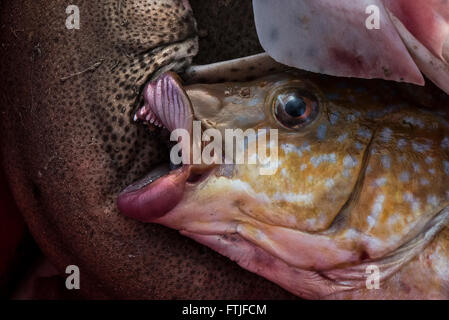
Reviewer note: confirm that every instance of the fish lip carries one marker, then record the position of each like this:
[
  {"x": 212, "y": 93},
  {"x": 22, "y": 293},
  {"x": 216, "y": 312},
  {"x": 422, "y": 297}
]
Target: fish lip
[
  {"x": 148, "y": 199},
  {"x": 151, "y": 177},
  {"x": 159, "y": 192}
]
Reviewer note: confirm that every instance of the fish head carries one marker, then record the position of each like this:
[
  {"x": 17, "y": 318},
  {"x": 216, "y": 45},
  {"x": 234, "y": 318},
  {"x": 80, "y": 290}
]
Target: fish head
[{"x": 333, "y": 177}]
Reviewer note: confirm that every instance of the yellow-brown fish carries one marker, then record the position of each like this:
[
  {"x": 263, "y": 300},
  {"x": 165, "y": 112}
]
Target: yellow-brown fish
[{"x": 361, "y": 186}]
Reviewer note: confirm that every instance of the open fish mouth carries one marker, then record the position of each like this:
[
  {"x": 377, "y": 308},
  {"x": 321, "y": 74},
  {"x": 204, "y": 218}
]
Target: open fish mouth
[
  {"x": 166, "y": 106},
  {"x": 312, "y": 237}
]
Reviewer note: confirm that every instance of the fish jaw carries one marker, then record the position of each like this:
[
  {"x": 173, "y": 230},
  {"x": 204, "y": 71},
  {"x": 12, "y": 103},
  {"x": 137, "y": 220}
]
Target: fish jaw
[{"x": 218, "y": 207}]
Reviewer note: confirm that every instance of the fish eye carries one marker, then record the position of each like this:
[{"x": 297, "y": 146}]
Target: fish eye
[{"x": 294, "y": 108}]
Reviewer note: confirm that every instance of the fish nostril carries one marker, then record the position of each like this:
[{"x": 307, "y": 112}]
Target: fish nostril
[
  {"x": 194, "y": 177},
  {"x": 198, "y": 175},
  {"x": 364, "y": 255}
]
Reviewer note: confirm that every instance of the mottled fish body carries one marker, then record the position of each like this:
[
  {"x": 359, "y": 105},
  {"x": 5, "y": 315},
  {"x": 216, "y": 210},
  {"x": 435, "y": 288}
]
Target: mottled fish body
[{"x": 361, "y": 179}]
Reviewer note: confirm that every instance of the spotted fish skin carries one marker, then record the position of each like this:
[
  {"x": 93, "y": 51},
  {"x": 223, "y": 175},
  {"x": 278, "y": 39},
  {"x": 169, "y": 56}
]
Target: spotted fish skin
[{"x": 365, "y": 183}]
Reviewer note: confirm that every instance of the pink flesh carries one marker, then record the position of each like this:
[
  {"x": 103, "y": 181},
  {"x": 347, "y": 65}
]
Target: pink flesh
[
  {"x": 330, "y": 37},
  {"x": 427, "y": 21}
]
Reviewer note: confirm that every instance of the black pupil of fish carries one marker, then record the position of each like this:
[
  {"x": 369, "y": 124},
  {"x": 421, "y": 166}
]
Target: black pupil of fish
[{"x": 295, "y": 106}]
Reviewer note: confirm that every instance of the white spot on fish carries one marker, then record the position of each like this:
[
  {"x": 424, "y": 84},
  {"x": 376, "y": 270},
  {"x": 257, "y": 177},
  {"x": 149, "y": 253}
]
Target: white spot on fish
[
  {"x": 287, "y": 148},
  {"x": 364, "y": 133},
  {"x": 429, "y": 160},
  {"x": 342, "y": 137},
  {"x": 445, "y": 143},
  {"x": 306, "y": 198},
  {"x": 446, "y": 167},
  {"x": 349, "y": 162},
  {"x": 329, "y": 158},
  {"x": 424, "y": 182},
  {"x": 240, "y": 185},
  {"x": 303, "y": 167},
  {"x": 402, "y": 143},
  {"x": 414, "y": 121},
  {"x": 380, "y": 182},
  {"x": 333, "y": 117},
  {"x": 346, "y": 173},
  {"x": 321, "y": 132},
  {"x": 420, "y": 147},
  {"x": 432, "y": 200},
  {"x": 329, "y": 183},
  {"x": 393, "y": 219},
  {"x": 385, "y": 161},
  {"x": 358, "y": 145},
  {"x": 284, "y": 172},
  {"x": 353, "y": 117},
  {"x": 352, "y": 234},
  {"x": 404, "y": 176},
  {"x": 414, "y": 204},
  {"x": 385, "y": 135},
  {"x": 415, "y": 167},
  {"x": 432, "y": 171},
  {"x": 376, "y": 210}
]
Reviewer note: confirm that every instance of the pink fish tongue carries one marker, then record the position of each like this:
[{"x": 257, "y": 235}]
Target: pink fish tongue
[{"x": 151, "y": 201}]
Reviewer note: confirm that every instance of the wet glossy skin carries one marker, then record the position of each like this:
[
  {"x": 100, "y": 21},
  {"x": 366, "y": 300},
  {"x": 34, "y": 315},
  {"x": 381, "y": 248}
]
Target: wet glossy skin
[{"x": 366, "y": 177}]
